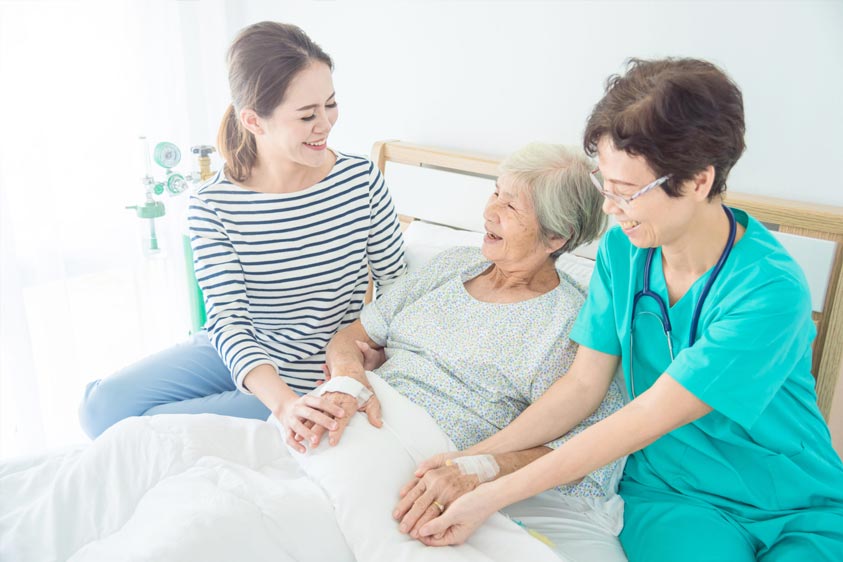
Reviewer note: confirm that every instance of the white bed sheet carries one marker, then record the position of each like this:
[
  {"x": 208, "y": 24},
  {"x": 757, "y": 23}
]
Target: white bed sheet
[{"x": 207, "y": 487}]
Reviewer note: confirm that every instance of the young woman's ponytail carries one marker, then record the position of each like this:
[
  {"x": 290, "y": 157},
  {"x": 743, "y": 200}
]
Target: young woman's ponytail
[{"x": 237, "y": 146}]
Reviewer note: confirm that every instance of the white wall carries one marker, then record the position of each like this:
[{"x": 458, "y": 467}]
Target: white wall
[{"x": 488, "y": 76}]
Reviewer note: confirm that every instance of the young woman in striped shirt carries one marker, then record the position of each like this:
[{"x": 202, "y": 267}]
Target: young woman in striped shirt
[{"x": 283, "y": 238}]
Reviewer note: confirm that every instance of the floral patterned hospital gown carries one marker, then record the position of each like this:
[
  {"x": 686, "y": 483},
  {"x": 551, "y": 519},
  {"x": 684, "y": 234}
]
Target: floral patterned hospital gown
[{"x": 475, "y": 366}]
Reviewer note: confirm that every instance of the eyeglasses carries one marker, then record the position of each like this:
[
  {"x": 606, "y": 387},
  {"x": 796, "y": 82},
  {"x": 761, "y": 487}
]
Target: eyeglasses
[{"x": 622, "y": 201}]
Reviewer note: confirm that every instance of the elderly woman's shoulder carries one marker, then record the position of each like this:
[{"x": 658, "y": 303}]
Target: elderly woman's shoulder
[
  {"x": 455, "y": 259},
  {"x": 458, "y": 257}
]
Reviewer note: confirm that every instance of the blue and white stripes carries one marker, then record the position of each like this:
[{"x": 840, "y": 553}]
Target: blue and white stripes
[{"x": 281, "y": 273}]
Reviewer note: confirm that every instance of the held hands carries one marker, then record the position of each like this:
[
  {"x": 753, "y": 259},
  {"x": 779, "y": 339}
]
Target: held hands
[
  {"x": 436, "y": 487},
  {"x": 460, "y": 519},
  {"x": 372, "y": 409},
  {"x": 302, "y": 416},
  {"x": 348, "y": 405},
  {"x": 372, "y": 359}
]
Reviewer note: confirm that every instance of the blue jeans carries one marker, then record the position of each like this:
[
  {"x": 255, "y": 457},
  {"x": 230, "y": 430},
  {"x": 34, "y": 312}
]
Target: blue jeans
[{"x": 189, "y": 378}]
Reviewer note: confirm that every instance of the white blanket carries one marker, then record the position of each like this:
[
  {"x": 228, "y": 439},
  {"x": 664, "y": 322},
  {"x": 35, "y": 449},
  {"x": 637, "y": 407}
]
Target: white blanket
[
  {"x": 168, "y": 488},
  {"x": 205, "y": 487}
]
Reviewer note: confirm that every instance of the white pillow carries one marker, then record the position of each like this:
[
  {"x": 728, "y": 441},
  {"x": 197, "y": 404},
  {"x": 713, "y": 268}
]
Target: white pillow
[
  {"x": 423, "y": 241},
  {"x": 363, "y": 474},
  {"x": 577, "y": 267}
]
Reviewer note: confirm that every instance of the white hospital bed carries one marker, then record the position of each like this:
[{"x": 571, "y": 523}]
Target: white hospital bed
[
  {"x": 214, "y": 488},
  {"x": 429, "y": 180}
]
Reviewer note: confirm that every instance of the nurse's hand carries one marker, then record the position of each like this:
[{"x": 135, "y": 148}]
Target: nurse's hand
[
  {"x": 460, "y": 519},
  {"x": 423, "y": 499}
]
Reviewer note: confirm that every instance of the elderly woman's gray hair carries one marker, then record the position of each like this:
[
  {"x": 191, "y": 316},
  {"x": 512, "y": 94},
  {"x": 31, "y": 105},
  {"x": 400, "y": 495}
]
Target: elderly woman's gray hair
[{"x": 556, "y": 179}]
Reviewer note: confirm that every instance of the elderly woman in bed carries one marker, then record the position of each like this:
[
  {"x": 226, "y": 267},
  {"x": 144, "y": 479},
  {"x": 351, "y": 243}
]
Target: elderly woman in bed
[{"x": 480, "y": 334}]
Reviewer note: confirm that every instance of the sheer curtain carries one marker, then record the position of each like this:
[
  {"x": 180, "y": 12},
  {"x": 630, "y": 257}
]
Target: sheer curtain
[{"x": 80, "y": 293}]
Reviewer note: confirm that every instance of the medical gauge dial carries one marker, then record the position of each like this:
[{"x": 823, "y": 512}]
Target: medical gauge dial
[{"x": 167, "y": 155}]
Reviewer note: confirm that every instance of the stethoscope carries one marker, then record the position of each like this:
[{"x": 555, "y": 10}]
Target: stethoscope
[{"x": 664, "y": 318}]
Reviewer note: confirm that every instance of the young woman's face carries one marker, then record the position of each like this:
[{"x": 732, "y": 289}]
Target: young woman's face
[
  {"x": 298, "y": 129},
  {"x": 653, "y": 219}
]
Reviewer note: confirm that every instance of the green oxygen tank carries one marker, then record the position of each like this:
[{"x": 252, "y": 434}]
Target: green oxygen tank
[
  {"x": 167, "y": 155},
  {"x": 196, "y": 300},
  {"x": 198, "y": 314}
]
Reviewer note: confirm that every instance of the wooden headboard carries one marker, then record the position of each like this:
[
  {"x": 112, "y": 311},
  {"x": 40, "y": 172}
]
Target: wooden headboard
[{"x": 803, "y": 219}]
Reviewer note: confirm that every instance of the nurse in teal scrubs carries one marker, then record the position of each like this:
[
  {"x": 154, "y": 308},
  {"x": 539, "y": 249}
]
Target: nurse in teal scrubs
[{"x": 730, "y": 459}]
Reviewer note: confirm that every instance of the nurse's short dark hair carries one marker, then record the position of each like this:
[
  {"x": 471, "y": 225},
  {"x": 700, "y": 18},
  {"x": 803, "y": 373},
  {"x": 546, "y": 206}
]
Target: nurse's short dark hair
[{"x": 680, "y": 114}]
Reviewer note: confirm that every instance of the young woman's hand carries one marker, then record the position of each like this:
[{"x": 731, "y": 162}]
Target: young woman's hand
[
  {"x": 304, "y": 415},
  {"x": 373, "y": 357}
]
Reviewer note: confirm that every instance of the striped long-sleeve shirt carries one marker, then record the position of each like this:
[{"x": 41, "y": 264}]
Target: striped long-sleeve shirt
[{"x": 281, "y": 273}]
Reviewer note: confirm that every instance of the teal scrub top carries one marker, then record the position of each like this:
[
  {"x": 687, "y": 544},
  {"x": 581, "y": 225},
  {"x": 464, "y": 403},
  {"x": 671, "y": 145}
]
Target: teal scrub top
[{"x": 764, "y": 447}]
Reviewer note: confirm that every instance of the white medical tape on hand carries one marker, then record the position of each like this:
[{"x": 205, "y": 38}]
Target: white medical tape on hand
[
  {"x": 485, "y": 467},
  {"x": 346, "y": 385}
]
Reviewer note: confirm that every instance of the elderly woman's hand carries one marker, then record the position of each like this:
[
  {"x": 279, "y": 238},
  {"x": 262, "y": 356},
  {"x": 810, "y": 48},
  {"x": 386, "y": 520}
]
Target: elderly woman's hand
[
  {"x": 425, "y": 498},
  {"x": 461, "y": 519},
  {"x": 372, "y": 409},
  {"x": 372, "y": 359},
  {"x": 435, "y": 462},
  {"x": 349, "y": 404}
]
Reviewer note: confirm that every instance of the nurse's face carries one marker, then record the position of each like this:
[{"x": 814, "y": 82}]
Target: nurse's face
[{"x": 652, "y": 220}]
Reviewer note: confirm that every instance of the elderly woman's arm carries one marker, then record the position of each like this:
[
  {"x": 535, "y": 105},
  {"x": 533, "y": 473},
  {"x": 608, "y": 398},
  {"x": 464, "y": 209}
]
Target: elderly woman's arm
[
  {"x": 567, "y": 402},
  {"x": 577, "y": 394},
  {"x": 451, "y": 479},
  {"x": 345, "y": 357},
  {"x": 662, "y": 408}
]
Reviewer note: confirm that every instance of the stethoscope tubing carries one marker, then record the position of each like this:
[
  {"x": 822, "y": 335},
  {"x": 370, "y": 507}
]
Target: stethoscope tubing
[{"x": 663, "y": 310}]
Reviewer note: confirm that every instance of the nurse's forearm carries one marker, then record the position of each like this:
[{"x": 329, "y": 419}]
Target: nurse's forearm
[
  {"x": 538, "y": 424},
  {"x": 661, "y": 409}
]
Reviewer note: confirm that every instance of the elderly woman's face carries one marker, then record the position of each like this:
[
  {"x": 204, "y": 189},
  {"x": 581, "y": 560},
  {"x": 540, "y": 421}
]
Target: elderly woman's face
[{"x": 512, "y": 228}]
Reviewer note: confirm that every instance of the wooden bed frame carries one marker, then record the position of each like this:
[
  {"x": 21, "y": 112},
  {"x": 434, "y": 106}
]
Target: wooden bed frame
[{"x": 804, "y": 219}]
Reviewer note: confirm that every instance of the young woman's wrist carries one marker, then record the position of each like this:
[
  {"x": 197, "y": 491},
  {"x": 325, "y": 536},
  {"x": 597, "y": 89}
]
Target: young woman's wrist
[
  {"x": 285, "y": 398},
  {"x": 265, "y": 383}
]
